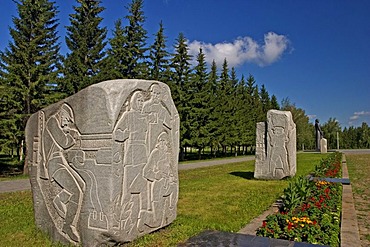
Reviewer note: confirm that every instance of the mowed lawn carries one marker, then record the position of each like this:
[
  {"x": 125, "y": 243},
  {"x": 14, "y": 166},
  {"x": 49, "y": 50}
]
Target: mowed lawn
[
  {"x": 224, "y": 197},
  {"x": 359, "y": 170}
]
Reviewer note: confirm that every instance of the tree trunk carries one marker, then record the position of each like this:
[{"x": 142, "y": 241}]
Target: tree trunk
[{"x": 199, "y": 153}]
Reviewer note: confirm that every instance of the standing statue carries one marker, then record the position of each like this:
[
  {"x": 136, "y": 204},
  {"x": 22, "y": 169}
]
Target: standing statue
[{"x": 319, "y": 135}]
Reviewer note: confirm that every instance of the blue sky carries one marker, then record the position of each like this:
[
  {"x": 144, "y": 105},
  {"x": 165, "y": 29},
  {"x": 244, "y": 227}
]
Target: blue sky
[{"x": 316, "y": 53}]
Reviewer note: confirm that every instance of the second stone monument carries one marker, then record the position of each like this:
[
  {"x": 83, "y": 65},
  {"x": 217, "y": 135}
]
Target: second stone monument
[{"x": 276, "y": 146}]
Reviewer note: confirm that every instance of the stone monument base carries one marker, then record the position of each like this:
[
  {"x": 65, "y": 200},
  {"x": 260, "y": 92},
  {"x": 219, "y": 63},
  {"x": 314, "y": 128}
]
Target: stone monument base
[{"x": 323, "y": 146}]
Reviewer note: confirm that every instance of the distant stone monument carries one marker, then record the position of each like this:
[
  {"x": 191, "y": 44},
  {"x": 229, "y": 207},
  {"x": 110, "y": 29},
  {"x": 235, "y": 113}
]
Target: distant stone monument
[
  {"x": 104, "y": 163},
  {"x": 276, "y": 146}
]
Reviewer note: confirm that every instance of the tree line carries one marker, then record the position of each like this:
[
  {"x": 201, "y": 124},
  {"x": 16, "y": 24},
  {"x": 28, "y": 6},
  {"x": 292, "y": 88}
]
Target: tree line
[{"x": 218, "y": 110}]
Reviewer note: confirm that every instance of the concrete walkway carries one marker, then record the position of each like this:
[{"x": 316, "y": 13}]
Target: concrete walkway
[
  {"x": 24, "y": 184},
  {"x": 15, "y": 185},
  {"x": 200, "y": 164}
]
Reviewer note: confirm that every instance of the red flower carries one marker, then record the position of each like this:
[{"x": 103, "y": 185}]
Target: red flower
[
  {"x": 264, "y": 223},
  {"x": 290, "y": 226}
]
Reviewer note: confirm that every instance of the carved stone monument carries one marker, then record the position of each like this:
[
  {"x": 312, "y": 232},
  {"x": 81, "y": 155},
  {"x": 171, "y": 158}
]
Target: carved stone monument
[
  {"x": 104, "y": 163},
  {"x": 276, "y": 146}
]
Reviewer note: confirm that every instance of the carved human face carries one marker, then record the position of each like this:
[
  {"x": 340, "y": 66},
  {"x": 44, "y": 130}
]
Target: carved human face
[
  {"x": 278, "y": 130},
  {"x": 155, "y": 93},
  {"x": 163, "y": 142},
  {"x": 64, "y": 119},
  {"x": 137, "y": 101}
]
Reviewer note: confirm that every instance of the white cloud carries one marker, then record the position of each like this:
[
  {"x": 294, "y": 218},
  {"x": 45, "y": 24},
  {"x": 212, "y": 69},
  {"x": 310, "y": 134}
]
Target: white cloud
[
  {"x": 242, "y": 50},
  {"x": 358, "y": 115},
  {"x": 312, "y": 116}
]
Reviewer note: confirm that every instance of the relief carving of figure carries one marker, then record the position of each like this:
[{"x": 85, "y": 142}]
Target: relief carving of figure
[
  {"x": 160, "y": 118},
  {"x": 131, "y": 130},
  {"x": 159, "y": 171},
  {"x": 59, "y": 136},
  {"x": 278, "y": 137}
]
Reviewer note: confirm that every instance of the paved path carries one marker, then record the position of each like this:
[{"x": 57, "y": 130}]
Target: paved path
[
  {"x": 201, "y": 164},
  {"x": 24, "y": 184},
  {"x": 355, "y": 151},
  {"x": 15, "y": 185}
]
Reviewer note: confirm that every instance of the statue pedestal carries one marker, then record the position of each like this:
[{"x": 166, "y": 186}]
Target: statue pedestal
[{"x": 323, "y": 146}]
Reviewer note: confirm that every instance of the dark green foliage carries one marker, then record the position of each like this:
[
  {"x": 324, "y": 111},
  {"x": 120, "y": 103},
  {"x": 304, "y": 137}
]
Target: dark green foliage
[
  {"x": 355, "y": 137},
  {"x": 159, "y": 57},
  {"x": 265, "y": 99},
  {"x": 86, "y": 42},
  {"x": 115, "y": 63},
  {"x": 179, "y": 84},
  {"x": 135, "y": 42},
  {"x": 304, "y": 129},
  {"x": 199, "y": 105},
  {"x": 126, "y": 56},
  {"x": 274, "y": 103},
  {"x": 28, "y": 68},
  {"x": 330, "y": 130}
]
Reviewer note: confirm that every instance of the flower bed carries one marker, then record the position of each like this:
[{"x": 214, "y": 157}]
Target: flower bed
[{"x": 311, "y": 209}]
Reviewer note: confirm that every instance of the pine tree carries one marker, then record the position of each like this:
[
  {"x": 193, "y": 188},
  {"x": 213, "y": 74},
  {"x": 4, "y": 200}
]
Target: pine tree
[
  {"x": 240, "y": 116},
  {"x": 28, "y": 67},
  {"x": 180, "y": 64},
  {"x": 265, "y": 99},
  {"x": 199, "y": 108},
  {"x": 86, "y": 42},
  {"x": 115, "y": 66},
  {"x": 212, "y": 86},
  {"x": 274, "y": 103},
  {"x": 255, "y": 110},
  {"x": 158, "y": 56},
  {"x": 135, "y": 41},
  {"x": 224, "y": 109}
]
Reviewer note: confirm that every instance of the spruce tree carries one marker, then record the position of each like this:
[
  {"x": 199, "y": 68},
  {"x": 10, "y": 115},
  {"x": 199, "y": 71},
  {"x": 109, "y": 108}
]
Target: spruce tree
[
  {"x": 265, "y": 99},
  {"x": 224, "y": 108},
  {"x": 115, "y": 66},
  {"x": 274, "y": 103},
  {"x": 158, "y": 56},
  {"x": 28, "y": 67},
  {"x": 199, "y": 107},
  {"x": 255, "y": 113},
  {"x": 212, "y": 124},
  {"x": 86, "y": 42},
  {"x": 180, "y": 64},
  {"x": 234, "y": 120},
  {"x": 135, "y": 41}
]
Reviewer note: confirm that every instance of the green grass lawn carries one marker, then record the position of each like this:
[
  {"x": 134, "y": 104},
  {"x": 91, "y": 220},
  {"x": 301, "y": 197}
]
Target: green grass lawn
[
  {"x": 224, "y": 197},
  {"x": 359, "y": 169}
]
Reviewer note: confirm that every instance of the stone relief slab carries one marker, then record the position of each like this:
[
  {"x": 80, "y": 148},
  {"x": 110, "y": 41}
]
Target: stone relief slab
[
  {"x": 104, "y": 163},
  {"x": 276, "y": 146}
]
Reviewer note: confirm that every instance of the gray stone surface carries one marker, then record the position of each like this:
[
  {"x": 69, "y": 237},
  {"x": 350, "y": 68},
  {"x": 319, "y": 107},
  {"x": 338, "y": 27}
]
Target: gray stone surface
[
  {"x": 323, "y": 146},
  {"x": 211, "y": 238},
  {"x": 103, "y": 163},
  {"x": 276, "y": 146}
]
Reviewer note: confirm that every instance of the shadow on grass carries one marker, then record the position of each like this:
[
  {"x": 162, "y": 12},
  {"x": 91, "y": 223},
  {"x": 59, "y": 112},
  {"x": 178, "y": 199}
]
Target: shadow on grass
[{"x": 245, "y": 175}]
